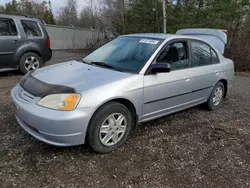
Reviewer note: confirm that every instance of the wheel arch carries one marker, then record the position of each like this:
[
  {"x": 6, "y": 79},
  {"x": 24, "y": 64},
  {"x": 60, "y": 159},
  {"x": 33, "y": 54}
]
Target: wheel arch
[
  {"x": 127, "y": 103},
  {"x": 31, "y": 47},
  {"x": 225, "y": 83}
]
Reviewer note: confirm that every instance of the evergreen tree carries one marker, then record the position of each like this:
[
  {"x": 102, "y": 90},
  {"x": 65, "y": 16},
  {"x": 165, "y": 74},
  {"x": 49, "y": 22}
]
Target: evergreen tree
[{"x": 51, "y": 19}]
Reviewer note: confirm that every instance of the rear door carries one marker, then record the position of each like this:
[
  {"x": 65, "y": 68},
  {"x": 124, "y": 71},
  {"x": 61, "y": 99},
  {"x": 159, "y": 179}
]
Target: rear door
[
  {"x": 203, "y": 65},
  {"x": 10, "y": 41},
  {"x": 34, "y": 33}
]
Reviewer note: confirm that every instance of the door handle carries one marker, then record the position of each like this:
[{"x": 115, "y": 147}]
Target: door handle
[
  {"x": 16, "y": 42},
  {"x": 187, "y": 79},
  {"x": 216, "y": 72}
]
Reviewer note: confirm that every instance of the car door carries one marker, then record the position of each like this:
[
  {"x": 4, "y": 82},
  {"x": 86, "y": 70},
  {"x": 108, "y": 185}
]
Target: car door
[
  {"x": 9, "y": 41},
  {"x": 165, "y": 93},
  {"x": 203, "y": 66}
]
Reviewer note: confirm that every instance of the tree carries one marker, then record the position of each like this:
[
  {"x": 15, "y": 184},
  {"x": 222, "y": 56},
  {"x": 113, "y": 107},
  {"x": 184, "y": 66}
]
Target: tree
[
  {"x": 68, "y": 14},
  {"x": 2, "y": 8},
  {"x": 48, "y": 15},
  {"x": 51, "y": 18},
  {"x": 35, "y": 8}
]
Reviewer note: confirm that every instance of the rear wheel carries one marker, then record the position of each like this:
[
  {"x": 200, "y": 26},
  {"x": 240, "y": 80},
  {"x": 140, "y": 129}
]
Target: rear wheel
[
  {"x": 109, "y": 127},
  {"x": 216, "y": 96},
  {"x": 30, "y": 61}
]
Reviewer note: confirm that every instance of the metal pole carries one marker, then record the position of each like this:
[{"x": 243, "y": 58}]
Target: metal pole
[
  {"x": 123, "y": 15},
  {"x": 164, "y": 16},
  {"x": 157, "y": 17}
]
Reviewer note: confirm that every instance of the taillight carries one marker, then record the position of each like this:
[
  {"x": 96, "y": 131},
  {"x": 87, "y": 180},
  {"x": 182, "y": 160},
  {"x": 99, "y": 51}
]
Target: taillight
[
  {"x": 48, "y": 43},
  {"x": 224, "y": 31}
]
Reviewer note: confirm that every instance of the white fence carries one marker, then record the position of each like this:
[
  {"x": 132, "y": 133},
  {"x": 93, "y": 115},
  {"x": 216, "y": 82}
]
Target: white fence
[{"x": 63, "y": 38}]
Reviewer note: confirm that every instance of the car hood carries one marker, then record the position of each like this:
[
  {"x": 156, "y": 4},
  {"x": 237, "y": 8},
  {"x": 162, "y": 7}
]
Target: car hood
[{"x": 79, "y": 76}]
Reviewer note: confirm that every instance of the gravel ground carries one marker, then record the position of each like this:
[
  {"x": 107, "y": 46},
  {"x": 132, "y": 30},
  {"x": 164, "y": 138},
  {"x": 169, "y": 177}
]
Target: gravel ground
[{"x": 193, "y": 148}]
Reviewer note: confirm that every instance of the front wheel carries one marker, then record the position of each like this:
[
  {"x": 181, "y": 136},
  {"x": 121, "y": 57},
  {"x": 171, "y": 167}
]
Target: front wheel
[
  {"x": 216, "y": 96},
  {"x": 109, "y": 128}
]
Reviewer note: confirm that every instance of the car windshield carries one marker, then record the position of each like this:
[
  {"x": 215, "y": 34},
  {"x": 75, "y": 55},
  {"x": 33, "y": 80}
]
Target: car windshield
[{"x": 128, "y": 54}]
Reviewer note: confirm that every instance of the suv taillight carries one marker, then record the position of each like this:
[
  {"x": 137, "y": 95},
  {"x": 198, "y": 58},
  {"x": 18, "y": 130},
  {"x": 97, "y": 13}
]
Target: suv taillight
[{"x": 48, "y": 43}]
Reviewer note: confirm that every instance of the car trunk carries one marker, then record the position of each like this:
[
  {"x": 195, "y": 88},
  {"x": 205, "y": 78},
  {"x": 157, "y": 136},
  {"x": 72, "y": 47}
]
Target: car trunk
[{"x": 215, "y": 37}]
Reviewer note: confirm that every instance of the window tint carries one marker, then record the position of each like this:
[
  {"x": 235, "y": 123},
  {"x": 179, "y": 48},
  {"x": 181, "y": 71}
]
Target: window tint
[
  {"x": 7, "y": 27},
  {"x": 176, "y": 55},
  {"x": 201, "y": 54},
  {"x": 215, "y": 58},
  {"x": 31, "y": 28}
]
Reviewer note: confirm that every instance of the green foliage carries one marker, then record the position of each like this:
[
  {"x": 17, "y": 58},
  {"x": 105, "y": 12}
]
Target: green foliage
[
  {"x": 48, "y": 16},
  {"x": 146, "y": 16},
  {"x": 33, "y": 8},
  {"x": 140, "y": 17}
]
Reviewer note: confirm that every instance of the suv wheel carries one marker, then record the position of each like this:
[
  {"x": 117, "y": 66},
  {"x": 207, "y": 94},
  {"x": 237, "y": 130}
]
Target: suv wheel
[
  {"x": 109, "y": 127},
  {"x": 216, "y": 96},
  {"x": 30, "y": 61}
]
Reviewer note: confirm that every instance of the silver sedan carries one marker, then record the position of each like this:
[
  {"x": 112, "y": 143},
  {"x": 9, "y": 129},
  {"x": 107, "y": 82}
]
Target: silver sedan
[{"x": 132, "y": 79}]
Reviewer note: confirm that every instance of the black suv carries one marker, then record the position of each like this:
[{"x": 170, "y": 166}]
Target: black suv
[{"x": 24, "y": 43}]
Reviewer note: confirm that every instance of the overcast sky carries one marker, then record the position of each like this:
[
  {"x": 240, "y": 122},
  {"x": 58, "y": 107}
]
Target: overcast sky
[{"x": 56, "y": 4}]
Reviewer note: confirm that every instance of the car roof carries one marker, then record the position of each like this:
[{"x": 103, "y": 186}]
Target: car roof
[
  {"x": 18, "y": 17},
  {"x": 163, "y": 36},
  {"x": 150, "y": 35},
  {"x": 160, "y": 36}
]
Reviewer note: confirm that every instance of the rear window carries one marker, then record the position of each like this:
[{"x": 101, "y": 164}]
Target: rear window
[
  {"x": 7, "y": 27},
  {"x": 215, "y": 57},
  {"x": 31, "y": 28}
]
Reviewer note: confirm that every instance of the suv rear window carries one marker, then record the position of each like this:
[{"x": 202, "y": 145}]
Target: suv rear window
[
  {"x": 7, "y": 27},
  {"x": 31, "y": 28}
]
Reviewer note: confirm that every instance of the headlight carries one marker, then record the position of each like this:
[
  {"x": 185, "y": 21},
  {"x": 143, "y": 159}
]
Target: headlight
[{"x": 64, "y": 102}]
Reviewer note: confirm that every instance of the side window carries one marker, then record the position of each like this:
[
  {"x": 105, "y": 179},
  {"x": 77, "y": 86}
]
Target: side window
[
  {"x": 176, "y": 54},
  {"x": 7, "y": 27},
  {"x": 31, "y": 28},
  {"x": 201, "y": 54},
  {"x": 215, "y": 58}
]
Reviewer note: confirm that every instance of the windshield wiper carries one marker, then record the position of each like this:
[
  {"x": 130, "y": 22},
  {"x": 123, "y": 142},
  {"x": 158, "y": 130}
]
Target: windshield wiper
[
  {"x": 81, "y": 60},
  {"x": 106, "y": 65}
]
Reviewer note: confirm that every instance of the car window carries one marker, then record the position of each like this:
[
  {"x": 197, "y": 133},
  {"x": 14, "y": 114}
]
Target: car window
[
  {"x": 215, "y": 57},
  {"x": 31, "y": 28},
  {"x": 176, "y": 54},
  {"x": 7, "y": 27},
  {"x": 201, "y": 54},
  {"x": 126, "y": 53}
]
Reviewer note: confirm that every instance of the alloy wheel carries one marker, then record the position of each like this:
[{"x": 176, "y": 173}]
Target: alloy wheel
[{"x": 31, "y": 63}]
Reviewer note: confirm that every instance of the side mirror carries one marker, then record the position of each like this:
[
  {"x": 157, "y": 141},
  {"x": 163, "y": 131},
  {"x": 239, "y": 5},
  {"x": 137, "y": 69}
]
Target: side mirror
[{"x": 159, "y": 68}]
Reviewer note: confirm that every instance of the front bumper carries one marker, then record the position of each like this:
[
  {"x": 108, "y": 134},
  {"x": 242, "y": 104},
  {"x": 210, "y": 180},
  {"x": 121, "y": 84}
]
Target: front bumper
[{"x": 60, "y": 128}]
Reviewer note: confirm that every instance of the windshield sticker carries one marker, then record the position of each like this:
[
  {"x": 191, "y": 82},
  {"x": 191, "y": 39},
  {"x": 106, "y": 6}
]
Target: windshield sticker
[{"x": 148, "y": 41}]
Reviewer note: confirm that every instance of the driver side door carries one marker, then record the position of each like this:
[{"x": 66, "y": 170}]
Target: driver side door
[{"x": 165, "y": 93}]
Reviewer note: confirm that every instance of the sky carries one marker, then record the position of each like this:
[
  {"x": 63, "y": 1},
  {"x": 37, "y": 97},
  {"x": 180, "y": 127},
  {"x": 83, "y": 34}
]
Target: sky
[{"x": 56, "y": 4}]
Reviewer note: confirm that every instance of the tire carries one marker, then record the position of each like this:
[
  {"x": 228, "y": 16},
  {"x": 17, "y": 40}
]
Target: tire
[
  {"x": 31, "y": 59},
  {"x": 103, "y": 119},
  {"x": 211, "y": 104}
]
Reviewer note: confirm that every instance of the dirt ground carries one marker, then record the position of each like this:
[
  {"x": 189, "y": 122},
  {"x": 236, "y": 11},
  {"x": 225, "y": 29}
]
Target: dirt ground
[{"x": 193, "y": 148}]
